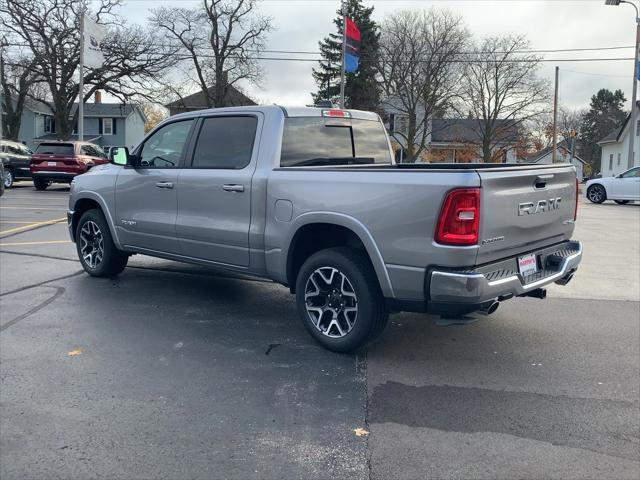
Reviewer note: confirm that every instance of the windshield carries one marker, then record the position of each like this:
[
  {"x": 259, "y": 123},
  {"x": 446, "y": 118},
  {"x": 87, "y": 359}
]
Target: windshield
[
  {"x": 55, "y": 148},
  {"x": 306, "y": 139}
]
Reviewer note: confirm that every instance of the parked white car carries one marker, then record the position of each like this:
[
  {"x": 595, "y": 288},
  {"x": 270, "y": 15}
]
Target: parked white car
[{"x": 622, "y": 188}]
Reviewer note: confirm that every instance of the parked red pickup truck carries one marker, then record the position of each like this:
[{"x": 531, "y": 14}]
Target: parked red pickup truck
[{"x": 60, "y": 162}]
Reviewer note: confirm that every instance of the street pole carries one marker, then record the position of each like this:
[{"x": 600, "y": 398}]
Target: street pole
[
  {"x": 344, "y": 50},
  {"x": 634, "y": 96},
  {"x": 81, "y": 79},
  {"x": 2, "y": 97},
  {"x": 555, "y": 120}
]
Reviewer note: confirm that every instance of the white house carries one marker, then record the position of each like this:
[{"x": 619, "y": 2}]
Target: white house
[
  {"x": 563, "y": 155},
  {"x": 615, "y": 148}
]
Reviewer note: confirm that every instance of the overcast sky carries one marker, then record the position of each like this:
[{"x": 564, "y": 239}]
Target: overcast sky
[{"x": 554, "y": 24}]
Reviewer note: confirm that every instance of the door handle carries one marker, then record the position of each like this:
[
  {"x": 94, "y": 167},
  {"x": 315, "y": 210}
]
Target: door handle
[
  {"x": 164, "y": 184},
  {"x": 233, "y": 187}
]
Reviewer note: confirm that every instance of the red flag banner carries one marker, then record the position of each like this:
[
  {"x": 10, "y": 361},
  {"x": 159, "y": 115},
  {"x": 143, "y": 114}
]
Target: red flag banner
[{"x": 352, "y": 50}]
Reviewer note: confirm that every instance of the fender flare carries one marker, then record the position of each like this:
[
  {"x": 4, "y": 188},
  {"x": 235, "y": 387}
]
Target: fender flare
[
  {"x": 99, "y": 199},
  {"x": 357, "y": 228}
]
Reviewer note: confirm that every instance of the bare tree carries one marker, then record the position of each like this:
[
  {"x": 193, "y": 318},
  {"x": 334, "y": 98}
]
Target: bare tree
[
  {"x": 502, "y": 90},
  {"x": 220, "y": 40},
  {"x": 540, "y": 127},
  {"x": 50, "y": 31},
  {"x": 18, "y": 81},
  {"x": 417, "y": 71}
]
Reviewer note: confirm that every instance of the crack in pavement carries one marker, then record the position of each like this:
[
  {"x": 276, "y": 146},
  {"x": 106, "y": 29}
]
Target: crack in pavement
[
  {"x": 40, "y": 306},
  {"x": 603, "y": 426}
]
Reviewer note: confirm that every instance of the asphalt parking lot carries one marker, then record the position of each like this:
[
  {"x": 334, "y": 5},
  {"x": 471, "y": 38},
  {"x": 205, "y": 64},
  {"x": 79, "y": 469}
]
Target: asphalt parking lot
[{"x": 172, "y": 371}]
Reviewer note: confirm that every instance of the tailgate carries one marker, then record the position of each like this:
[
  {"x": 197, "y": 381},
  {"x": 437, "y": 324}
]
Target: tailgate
[
  {"x": 524, "y": 209},
  {"x": 54, "y": 163}
]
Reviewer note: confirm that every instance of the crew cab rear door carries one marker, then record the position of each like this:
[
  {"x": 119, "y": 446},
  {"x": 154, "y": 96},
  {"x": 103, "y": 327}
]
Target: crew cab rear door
[
  {"x": 524, "y": 208},
  {"x": 214, "y": 190}
]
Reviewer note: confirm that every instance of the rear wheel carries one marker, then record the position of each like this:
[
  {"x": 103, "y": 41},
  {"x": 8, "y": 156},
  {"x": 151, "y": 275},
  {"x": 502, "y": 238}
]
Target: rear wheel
[
  {"x": 97, "y": 253},
  {"x": 7, "y": 179},
  {"x": 597, "y": 193},
  {"x": 40, "y": 184},
  {"x": 339, "y": 300},
  {"x": 621, "y": 202}
]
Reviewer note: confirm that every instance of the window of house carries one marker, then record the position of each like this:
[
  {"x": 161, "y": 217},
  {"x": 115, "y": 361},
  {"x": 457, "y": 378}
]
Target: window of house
[
  {"x": 107, "y": 126},
  {"x": 225, "y": 142},
  {"x": 49, "y": 124},
  {"x": 611, "y": 162},
  {"x": 638, "y": 128},
  {"x": 402, "y": 123}
]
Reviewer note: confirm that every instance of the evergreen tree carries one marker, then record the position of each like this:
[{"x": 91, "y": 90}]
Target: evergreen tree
[
  {"x": 605, "y": 114},
  {"x": 361, "y": 89}
]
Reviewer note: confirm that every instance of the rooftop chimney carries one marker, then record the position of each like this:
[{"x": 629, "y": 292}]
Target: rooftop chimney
[{"x": 98, "y": 97}]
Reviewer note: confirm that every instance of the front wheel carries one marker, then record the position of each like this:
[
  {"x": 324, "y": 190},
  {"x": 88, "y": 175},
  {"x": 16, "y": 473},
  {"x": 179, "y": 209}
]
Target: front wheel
[
  {"x": 597, "y": 193},
  {"x": 97, "y": 253},
  {"x": 339, "y": 299},
  {"x": 621, "y": 202}
]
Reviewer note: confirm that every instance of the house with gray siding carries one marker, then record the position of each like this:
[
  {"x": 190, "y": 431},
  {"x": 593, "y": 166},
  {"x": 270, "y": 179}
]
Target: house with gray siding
[
  {"x": 105, "y": 124},
  {"x": 563, "y": 155}
]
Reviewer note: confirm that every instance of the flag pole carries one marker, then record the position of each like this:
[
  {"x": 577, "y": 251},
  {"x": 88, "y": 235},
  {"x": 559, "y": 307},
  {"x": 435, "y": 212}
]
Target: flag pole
[
  {"x": 81, "y": 79},
  {"x": 344, "y": 49}
]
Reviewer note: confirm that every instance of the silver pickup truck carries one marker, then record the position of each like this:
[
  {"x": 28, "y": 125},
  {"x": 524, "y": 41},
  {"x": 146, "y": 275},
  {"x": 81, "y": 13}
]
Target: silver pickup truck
[{"x": 312, "y": 199}]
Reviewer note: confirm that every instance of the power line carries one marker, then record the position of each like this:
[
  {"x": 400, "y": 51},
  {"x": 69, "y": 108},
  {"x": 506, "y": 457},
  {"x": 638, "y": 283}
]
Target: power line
[
  {"x": 317, "y": 52},
  {"x": 595, "y": 74}
]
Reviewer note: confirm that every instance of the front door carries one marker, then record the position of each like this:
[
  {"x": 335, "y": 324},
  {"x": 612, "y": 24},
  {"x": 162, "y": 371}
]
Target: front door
[
  {"x": 146, "y": 198},
  {"x": 627, "y": 187},
  {"x": 214, "y": 191}
]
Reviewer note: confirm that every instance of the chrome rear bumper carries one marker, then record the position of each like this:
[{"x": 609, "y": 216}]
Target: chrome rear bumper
[{"x": 501, "y": 280}]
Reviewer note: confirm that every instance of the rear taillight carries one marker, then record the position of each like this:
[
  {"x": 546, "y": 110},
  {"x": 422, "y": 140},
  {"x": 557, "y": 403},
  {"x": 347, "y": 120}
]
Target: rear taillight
[
  {"x": 459, "y": 218},
  {"x": 575, "y": 208}
]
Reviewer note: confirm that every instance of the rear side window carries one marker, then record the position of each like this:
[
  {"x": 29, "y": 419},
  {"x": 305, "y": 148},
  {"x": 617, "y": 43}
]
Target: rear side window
[
  {"x": 55, "y": 148},
  {"x": 307, "y": 138},
  {"x": 225, "y": 142}
]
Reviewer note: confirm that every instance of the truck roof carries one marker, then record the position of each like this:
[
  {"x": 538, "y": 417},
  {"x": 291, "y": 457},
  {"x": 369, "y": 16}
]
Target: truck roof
[{"x": 288, "y": 111}]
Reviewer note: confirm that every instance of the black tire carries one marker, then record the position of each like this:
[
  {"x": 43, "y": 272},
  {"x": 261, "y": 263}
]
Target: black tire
[
  {"x": 40, "y": 184},
  {"x": 621, "y": 202},
  {"x": 596, "y": 193},
  {"x": 8, "y": 178},
  {"x": 113, "y": 261},
  {"x": 371, "y": 314}
]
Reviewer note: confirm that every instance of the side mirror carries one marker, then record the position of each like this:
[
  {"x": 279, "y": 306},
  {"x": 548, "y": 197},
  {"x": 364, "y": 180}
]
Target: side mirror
[{"x": 119, "y": 155}]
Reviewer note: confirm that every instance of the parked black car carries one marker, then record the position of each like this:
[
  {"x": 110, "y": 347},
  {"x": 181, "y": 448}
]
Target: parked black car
[{"x": 15, "y": 157}]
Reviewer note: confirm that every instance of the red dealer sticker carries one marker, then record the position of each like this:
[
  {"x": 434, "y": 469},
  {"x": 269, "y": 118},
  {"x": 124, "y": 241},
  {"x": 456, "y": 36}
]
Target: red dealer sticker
[{"x": 527, "y": 264}]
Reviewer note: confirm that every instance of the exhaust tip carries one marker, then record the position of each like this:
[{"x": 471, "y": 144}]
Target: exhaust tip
[
  {"x": 488, "y": 310},
  {"x": 493, "y": 307},
  {"x": 566, "y": 279}
]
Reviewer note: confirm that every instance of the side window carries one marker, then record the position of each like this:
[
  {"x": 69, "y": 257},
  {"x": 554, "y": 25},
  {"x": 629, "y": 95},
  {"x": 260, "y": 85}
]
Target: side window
[
  {"x": 632, "y": 173},
  {"x": 164, "y": 148},
  {"x": 225, "y": 142},
  {"x": 87, "y": 150}
]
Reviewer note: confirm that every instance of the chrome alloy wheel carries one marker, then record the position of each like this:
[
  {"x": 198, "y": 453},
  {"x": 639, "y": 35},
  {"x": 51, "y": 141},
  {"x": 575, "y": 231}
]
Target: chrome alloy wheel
[
  {"x": 331, "y": 302},
  {"x": 91, "y": 244},
  {"x": 8, "y": 178},
  {"x": 595, "y": 194}
]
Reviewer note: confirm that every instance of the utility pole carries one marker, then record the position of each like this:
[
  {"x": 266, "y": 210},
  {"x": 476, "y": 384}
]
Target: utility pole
[
  {"x": 2, "y": 97},
  {"x": 344, "y": 51},
  {"x": 634, "y": 96},
  {"x": 81, "y": 74},
  {"x": 633, "y": 120},
  {"x": 555, "y": 120}
]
